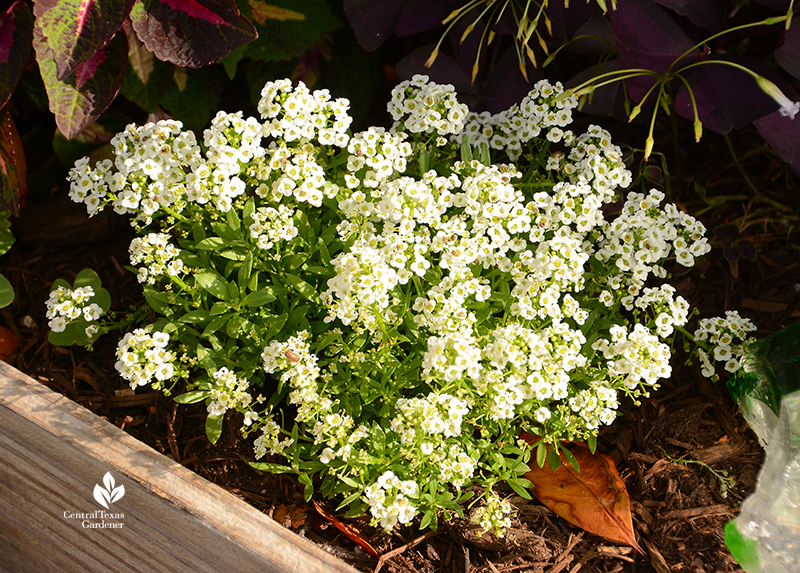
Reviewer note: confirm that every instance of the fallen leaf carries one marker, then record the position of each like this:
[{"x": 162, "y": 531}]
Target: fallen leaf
[
  {"x": 350, "y": 531},
  {"x": 8, "y": 342},
  {"x": 594, "y": 499}
]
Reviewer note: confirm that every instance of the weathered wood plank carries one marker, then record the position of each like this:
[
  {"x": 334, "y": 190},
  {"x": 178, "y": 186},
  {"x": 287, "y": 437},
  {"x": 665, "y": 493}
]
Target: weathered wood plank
[{"x": 53, "y": 452}]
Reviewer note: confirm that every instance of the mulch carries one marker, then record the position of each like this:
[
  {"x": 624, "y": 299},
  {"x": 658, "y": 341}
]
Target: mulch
[{"x": 677, "y": 504}]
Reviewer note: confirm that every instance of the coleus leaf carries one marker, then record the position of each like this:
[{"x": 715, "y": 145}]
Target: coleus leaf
[
  {"x": 594, "y": 499},
  {"x": 727, "y": 98},
  {"x": 16, "y": 37},
  {"x": 82, "y": 96},
  {"x": 191, "y": 33},
  {"x": 788, "y": 55},
  {"x": 75, "y": 29},
  {"x": 13, "y": 186}
]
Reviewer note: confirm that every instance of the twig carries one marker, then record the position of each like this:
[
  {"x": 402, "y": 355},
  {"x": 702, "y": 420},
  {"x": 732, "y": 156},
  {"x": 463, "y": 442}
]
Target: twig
[{"x": 394, "y": 552}]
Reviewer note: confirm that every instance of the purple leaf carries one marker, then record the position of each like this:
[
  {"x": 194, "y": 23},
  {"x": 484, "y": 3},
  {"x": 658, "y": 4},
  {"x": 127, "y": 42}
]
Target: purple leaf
[
  {"x": 75, "y": 29},
  {"x": 191, "y": 33},
  {"x": 567, "y": 21},
  {"x": 647, "y": 38},
  {"x": 708, "y": 14},
  {"x": 373, "y": 21},
  {"x": 727, "y": 98},
  {"x": 726, "y": 232},
  {"x": 783, "y": 135},
  {"x": 601, "y": 38},
  {"x": 16, "y": 35},
  {"x": 82, "y": 96},
  {"x": 607, "y": 100},
  {"x": 788, "y": 55},
  {"x": 421, "y": 15}
]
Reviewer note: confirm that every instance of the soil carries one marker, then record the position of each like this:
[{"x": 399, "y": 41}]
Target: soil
[{"x": 678, "y": 508}]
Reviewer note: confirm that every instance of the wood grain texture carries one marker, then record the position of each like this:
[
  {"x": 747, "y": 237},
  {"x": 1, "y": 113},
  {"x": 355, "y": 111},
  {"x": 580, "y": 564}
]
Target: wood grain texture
[{"x": 53, "y": 452}]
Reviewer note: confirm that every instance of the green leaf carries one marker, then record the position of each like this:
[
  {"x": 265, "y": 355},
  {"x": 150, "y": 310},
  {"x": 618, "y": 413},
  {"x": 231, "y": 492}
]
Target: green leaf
[
  {"x": 573, "y": 461},
  {"x": 288, "y": 38},
  {"x": 210, "y": 244},
  {"x": 147, "y": 78},
  {"x": 484, "y": 155},
  {"x": 75, "y": 30},
  {"x": 204, "y": 358},
  {"x": 520, "y": 487},
  {"x": 308, "y": 492},
  {"x": 81, "y": 97},
  {"x": 214, "y": 284},
  {"x": 258, "y": 298},
  {"x": 466, "y": 150},
  {"x": 6, "y": 292},
  {"x": 214, "y": 427},
  {"x": 6, "y": 238},
  {"x": 193, "y": 97},
  {"x": 592, "y": 443},
  {"x": 275, "y": 326},
  {"x": 306, "y": 290},
  {"x": 553, "y": 459},
  {"x": 158, "y": 301},
  {"x": 192, "y": 397},
  {"x": 272, "y": 468},
  {"x": 541, "y": 453},
  {"x": 216, "y": 324},
  {"x": 194, "y": 317}
]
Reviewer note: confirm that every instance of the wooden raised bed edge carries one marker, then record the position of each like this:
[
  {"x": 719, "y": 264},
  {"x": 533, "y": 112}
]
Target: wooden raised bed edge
[{"x": 53, "y": 452}]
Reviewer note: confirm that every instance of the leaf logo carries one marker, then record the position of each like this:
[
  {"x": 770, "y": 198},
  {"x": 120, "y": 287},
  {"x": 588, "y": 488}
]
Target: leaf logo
[{"x": 110, "y": 494}]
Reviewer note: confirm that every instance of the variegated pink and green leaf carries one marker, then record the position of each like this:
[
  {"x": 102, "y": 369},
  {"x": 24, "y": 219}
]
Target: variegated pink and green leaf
[
  {"x": 81, "y": 97},
  {"x": 74, "y": 30},
  {"x": 191, "y": 33},
  {"x": 16, "y": 35}
]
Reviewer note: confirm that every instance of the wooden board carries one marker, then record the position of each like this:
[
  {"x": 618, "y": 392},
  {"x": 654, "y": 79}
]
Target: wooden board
[{"x": 52, "y": 454}]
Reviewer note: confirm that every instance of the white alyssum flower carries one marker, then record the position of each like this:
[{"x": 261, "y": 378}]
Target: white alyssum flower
[
  {"x": 155, "y": 256},
  {"x": 67, "y": 305},
  {"x": 144, "y": 359}
]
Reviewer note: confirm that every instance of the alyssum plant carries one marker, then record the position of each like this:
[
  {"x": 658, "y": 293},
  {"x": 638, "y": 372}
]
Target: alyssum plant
[{"x": 388, "y": 311}]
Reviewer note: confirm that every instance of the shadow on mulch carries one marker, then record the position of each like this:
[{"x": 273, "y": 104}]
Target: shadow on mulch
[{"x": 679, "y": 506}]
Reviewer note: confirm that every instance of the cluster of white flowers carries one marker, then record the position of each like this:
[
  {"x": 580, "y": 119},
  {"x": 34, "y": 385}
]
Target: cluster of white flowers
[
  {"x": 645, "y": 234},
  {"x": 421, "y": 419},
  {"x": 723, "y": 333},
  {"x": 419, "y": 106},
  {"x": 271, "y": 225},
  {"x": 421, "y": 268},
  {"x": 495, "y": 516},
  {"x": 389, "y": 500},
  {"x": 149, "y": 171},
  {"x": 299, "y": 368},
  {"x": 157, "y": 255},
  {"x": 592, "y": 159},
  {"x": 143, "y": 358},
  {"x": 543, "y": 110},
  {"x": 67, "y": 305},
  {"x": 638, "y": 355},
  {"x": 296, "y": 114},
  {"x": 270, "y": 442},
  {"x": 229, "y": 392},
  {"x": 378, "y": 155}
]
